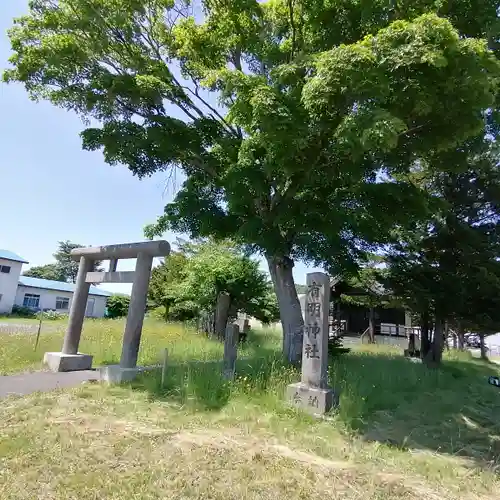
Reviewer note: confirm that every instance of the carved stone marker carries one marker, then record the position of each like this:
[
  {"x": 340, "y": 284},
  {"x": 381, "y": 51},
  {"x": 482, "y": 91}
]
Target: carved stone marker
[
  {"x": 312, "y": 392},
  {"x": 244, "y": 325},
  {"x": 230, "y": 351},
  {"x": 70, "y": 359}
]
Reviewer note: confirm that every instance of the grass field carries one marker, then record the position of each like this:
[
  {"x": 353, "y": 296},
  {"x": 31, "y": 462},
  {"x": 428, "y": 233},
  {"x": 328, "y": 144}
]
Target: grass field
[
  {"x": 401, "y": 432},
  {"x": 102, "y": 339}
]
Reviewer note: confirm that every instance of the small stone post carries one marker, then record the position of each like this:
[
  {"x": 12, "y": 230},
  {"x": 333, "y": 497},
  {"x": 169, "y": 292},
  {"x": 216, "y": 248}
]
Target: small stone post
[
  {"x": 230, "y": 351},
  {"x": 246, "y": 330},
  {"x": 312, "y": 392},
  {"x": 164, "y": 367},
  {"x": 136, "y": 309},
  {"x": 222, "y": 314}
]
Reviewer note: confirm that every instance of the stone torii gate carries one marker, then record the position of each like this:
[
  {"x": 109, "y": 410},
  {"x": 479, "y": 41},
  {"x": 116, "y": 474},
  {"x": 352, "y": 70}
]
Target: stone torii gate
[{"x": 70, "y": 359}]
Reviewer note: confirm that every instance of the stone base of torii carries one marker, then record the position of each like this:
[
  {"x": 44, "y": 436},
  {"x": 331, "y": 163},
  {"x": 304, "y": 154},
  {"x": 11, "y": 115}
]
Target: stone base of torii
[{"x": 70, "y": 359}]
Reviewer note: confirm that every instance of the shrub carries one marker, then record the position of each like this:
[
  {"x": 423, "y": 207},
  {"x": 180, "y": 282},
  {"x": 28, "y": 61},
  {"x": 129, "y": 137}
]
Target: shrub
[
  {"x": 23, "y": 312},
  {"x": 117, "y": 306},
  {"x": 158, "y": 313},
  {"x": 52, "y": 315},
  {"x": 183, "y": 311}
]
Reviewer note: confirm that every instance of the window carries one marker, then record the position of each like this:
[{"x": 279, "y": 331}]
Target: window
[
  {"x": 89, "y": 311},
  {"x": 31, "y": 300},
  {"x": 62, "y": 303},
  {"x": 5, "y": 269}
]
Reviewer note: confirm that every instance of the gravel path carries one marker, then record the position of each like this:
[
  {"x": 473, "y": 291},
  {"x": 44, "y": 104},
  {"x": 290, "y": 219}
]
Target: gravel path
[
  {"x": 26, "y": 383},
  {"x": 28, "y": 328}
]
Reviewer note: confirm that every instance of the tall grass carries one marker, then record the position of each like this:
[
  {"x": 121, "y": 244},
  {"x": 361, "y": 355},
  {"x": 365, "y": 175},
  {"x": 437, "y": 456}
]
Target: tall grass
[
  {"x": 401, "y": 431},
  {"x": 102, "y": 338},
  {"x": 383, "y": 397}
]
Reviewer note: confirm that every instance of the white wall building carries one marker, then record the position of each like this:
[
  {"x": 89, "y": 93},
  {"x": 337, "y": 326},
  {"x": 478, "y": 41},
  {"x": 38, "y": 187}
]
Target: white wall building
[
  {"x": 10, "y": 269},
  {"x": 40, "y": 294}
]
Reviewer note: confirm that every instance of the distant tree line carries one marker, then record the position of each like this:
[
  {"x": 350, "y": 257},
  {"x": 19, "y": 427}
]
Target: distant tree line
[{"x": 64, "y": 268}]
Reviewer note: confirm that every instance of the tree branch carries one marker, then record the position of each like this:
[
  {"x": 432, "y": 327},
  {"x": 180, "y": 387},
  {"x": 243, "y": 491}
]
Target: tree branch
[
  {"x": 292, "y": 27},
  {"x": 236, "y": 58},
  {"x": 212, "y": 109},
  {"x": 116, "y": 33}
]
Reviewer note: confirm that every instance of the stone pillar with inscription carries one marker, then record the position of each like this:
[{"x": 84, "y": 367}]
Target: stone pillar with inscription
[{"x": 312, "y": 392}]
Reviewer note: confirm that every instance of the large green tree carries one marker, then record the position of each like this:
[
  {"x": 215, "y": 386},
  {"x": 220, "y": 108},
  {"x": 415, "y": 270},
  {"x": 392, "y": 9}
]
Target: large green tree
[
  {"x": 448, "y": 270},
  {"x": 282, "y": 114},
  {"x": 64, "y": 262},
  {"x": 166, "y": 281}
]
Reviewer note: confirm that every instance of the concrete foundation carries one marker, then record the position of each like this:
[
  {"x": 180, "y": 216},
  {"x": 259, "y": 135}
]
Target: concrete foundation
[
  {"x": 61, "y": 362},
  {"x": 314, "y": 400},
  {"x": 116, "y": 374}
]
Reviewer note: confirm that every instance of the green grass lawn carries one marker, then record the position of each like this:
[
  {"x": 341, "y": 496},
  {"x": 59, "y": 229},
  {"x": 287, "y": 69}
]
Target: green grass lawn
[
  {"x": 103, "y": 339},
  {"x": 401, "y": 432}
]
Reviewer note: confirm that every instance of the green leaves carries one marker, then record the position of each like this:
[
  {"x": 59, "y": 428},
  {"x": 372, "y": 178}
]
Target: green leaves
[
  {"x": 64, "y": 269},
  {"x": 296, "y": 134},
  {"x": 449, "y": 267},
  {"x": 46, "y": 272},
  {"x": 377, "y": 93},
  {"x": 117, "y": 306},
  {"x": 199, "y": 272}
]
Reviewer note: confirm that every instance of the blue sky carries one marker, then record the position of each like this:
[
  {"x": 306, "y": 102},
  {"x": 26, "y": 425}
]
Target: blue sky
[{"x": 52, "y": 190}]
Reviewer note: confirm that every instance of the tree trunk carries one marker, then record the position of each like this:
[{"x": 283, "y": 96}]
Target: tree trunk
[
  {"x": 166, "y": 305},
  {"x": 222, "y": 314},
  {"x": 371, "y": 325},
  {"x": 461, "y": 337},
  {"x": 425, "y": 343},
  {"x": 411, "y": 344},
  {"x": 484, "y": 354},
  {"x": 291, "y": 317},
  {"x": 435, "y": 354}
]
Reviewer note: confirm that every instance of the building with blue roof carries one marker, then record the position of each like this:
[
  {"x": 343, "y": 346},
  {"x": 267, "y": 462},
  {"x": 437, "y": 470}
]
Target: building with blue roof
[
  {"x": 59, "y": 286},
  {"x": 7, "y": 255},
  {"x": 40, "y": 294}
]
